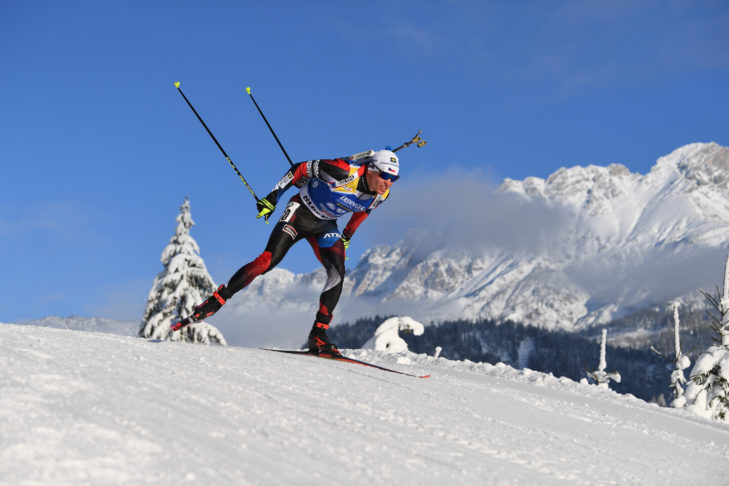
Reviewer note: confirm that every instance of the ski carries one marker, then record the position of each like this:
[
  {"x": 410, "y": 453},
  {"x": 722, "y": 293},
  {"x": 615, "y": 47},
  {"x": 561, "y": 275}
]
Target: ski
[{"x": 344, "y": 359}]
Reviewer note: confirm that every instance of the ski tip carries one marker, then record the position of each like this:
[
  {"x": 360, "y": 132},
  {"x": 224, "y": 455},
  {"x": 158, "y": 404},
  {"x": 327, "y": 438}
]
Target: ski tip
[
  {"x": 248, "y": 89},
  {"x": 177, "y": 84}
]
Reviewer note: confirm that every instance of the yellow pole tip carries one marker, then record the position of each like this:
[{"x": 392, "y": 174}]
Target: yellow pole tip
[
  {"x": 177, "y": 84},
  {"x": 248, "y": 89}
]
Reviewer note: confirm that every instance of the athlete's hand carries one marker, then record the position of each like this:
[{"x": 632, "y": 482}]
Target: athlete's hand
[
  {"x": 345, "y": 242},
  {"x": 265, "y": 208}
]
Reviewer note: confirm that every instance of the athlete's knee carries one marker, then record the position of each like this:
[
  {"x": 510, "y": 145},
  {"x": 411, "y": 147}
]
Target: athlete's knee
[
  {"x": 245, "y": 275},
  {"x": 262, "y": 263},
  {"x": 334, "y": 256}
]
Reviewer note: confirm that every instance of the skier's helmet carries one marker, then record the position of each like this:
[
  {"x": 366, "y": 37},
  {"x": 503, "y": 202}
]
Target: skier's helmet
[{"x": 387, "y": 163}]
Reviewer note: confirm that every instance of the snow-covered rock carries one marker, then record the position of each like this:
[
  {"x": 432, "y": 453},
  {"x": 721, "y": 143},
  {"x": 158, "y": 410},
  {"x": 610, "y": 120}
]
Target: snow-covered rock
[{"x": 387, "y": 335}]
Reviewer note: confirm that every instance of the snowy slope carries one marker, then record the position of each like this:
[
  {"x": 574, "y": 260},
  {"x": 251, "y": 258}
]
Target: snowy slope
[
  {"x": 89, "y": 408},
  {"x": 604, "y": 242}
]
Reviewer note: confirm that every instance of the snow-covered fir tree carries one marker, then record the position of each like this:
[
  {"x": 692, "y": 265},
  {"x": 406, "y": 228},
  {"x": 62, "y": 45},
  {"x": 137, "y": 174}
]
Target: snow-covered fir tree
[
  {"x": 600, "y": 376},
  {"x": 679, "y": 363},
  {"x": 708, "y": 392},
  {"x": 183, "y": 283}
]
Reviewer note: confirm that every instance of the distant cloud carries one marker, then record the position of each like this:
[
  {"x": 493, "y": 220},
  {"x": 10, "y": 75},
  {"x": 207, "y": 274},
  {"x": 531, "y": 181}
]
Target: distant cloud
[
  {"x": 657, "y": 277},
  {"x": 461, "y": 209}
]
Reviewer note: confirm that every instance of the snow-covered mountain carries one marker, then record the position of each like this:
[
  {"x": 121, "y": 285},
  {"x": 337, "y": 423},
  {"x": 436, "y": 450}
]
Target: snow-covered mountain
[
  {"x": 91, "y": 408},
  {"x": 604, "y": 241}
]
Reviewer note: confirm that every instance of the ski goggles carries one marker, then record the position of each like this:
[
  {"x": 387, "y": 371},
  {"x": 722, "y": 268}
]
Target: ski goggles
[{"x": 388, "y": 177}]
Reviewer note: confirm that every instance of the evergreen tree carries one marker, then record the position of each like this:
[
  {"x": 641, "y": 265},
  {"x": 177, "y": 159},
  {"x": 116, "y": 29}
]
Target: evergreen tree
[
  {"x": 708, "y": 392},
  {"x": 182, "y": 283},
  {"x": 600, "y": 376},
  {"x": 680, "y": 362}
]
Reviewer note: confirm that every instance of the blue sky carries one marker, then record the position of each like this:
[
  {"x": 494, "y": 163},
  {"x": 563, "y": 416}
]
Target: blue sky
[{"x": 98, "y": 150}]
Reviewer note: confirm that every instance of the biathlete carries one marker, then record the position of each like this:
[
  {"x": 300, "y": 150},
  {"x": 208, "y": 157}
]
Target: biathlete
[{"x": 328, "y": 190}]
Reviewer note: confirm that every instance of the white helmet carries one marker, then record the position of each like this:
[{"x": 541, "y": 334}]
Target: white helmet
[{"x": 386, "y": 162}]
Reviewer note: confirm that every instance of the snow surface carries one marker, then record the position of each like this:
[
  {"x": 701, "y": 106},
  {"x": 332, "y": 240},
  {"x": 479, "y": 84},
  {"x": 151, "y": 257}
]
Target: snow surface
[{"x": 90, "y": 408}]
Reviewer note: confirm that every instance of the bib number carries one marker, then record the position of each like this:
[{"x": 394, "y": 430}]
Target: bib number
[{"x": 289, "y": 212}]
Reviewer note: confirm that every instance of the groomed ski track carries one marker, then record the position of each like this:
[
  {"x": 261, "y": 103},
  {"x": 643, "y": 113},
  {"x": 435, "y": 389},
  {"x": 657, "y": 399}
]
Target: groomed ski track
[{"x": 90, "y": 408}]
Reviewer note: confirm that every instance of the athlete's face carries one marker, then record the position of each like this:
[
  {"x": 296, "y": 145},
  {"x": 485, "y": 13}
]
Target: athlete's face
[{"x": 377, "y": 183}]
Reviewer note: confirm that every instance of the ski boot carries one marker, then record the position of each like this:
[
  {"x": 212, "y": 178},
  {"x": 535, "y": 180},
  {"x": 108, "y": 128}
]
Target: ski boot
[
  {"x": 319, "y": 343},
  {"x": 206, "y": 309}
]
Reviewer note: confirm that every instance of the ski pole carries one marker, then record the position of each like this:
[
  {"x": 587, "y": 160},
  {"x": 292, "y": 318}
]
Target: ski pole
[
  {"x": 177, "y": 85},
  {"x": 248, "y": 90}
]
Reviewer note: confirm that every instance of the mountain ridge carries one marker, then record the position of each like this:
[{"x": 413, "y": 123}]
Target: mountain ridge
[{"x": 616, "y": 234}]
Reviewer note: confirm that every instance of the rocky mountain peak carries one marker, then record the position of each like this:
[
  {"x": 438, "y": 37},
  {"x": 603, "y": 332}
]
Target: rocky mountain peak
[{"x": 700, "y": 163}]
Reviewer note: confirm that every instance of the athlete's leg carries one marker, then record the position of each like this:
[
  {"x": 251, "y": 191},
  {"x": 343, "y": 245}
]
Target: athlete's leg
[
  {"x": 332, "y": 258},
  {"x": 282, "y": 238}
]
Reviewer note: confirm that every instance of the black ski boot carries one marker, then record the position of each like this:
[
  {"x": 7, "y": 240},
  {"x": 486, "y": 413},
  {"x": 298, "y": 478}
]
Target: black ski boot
[
  {"x": 319, "y": 343},
  {"x": 206, "y": 309}
]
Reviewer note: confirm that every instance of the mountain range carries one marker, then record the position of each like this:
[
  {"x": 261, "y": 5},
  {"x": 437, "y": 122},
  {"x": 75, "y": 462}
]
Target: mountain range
[{"x": 582, "y": 247}]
